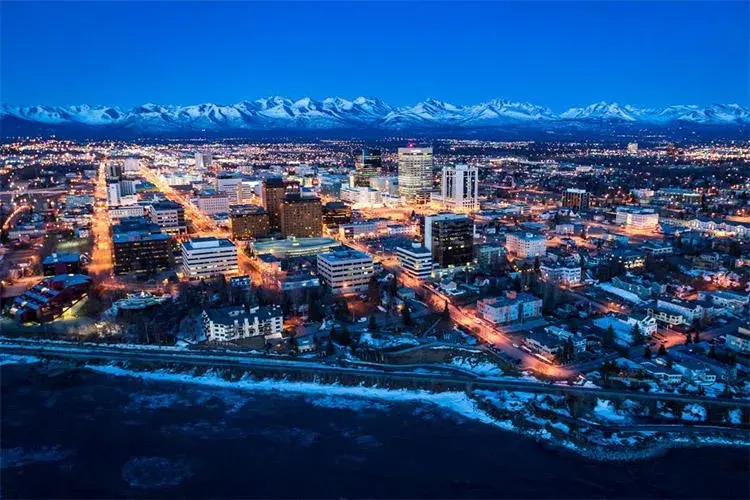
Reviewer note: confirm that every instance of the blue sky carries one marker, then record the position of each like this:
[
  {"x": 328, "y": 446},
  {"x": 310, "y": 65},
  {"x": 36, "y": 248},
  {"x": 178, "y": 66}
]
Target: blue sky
[{"x": 558, "y": 54}]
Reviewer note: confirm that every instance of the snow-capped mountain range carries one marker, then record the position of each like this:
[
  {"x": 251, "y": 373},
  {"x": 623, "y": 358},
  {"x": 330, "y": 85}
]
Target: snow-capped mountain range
[{"x": 362, "y": 113}]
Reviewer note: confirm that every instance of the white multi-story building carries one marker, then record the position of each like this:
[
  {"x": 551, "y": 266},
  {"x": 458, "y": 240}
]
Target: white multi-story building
[
  {"x": 502, "y": 310},
  {"x": 561, "y": 273},
  {"x": 206, "y": 257},
  {"x": 233, "y": 323},
  {"x": 690, "y": 310},
  {"x": 416, "y": 261},
  {"x": 212, "y": 203},
  {"x": 361, "y": 196},
  {"x": 526, "y": 245},
  {"x": 641, "y": 219},
  {"x": 354, "y": 230},
  {"x": 459, "y": 188},
  {"x": 114, "y": 196},
  {"x": 227, "y": 183},
  {"x": 415, "y": 174},
  {"x": 117, "y": 213},
  {"x": 740, "y": 340},
  {"x": 345, "y": 271}
]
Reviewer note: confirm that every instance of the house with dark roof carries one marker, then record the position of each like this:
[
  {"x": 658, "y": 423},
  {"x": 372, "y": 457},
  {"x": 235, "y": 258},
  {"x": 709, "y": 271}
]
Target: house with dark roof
[{"x": 226, "y": 324}]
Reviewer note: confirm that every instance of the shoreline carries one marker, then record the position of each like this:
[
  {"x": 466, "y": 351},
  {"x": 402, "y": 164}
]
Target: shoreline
[{"x": 459, "y": 403}]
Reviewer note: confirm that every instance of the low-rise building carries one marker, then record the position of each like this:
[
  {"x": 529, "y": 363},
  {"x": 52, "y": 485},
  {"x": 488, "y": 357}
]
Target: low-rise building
[
  {"x": 49, "y": 298},
  {"x": 489, "y": 254},
  {"x": 695, "y": 372},
  {"x": 566, "y": 274},
  {"x": 731, "y": 301},
  {"x": 234, "y": 323},
  {"x": 643, "y": 288},
  {"x": 641, "y": 219},
  {"x": 62, "y": 263},
  {"x": 661, "y": 372},
  {"x": 514, "y": 307},
  {"x": 740, "y": 340},
  {"x": 688, "y": 309}
]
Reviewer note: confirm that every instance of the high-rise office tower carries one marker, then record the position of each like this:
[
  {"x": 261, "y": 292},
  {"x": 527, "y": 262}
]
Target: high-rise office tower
[
  {"x": 301, "y": 217},
  {"x": 367, "y": 165},
  {"x": 577, "y": 199},
  {"x": 273, "y": 194},
  {"x": 415, "y": 174},
  {"x": 459, "y": 188},
  {"x": 450, "y": 238},
  {"x": 248, "y": 221}
]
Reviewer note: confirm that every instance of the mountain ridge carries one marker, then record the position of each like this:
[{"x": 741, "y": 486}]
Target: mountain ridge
[{"x": 278, "y": 112}]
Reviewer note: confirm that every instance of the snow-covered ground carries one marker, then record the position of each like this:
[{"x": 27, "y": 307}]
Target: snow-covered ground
[
  {"x": 483, "y": 368},
  {"x": 379, "y": 342},
  {"x": 694, "y": 413},
  {"x": 606, "y": 411}
]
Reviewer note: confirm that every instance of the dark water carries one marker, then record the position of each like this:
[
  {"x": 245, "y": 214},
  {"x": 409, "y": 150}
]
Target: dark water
[{"x": 82, "y": 434}]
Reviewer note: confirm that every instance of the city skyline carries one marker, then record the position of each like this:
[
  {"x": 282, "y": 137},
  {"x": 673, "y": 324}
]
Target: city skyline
[{"x": 572, "y": 54}]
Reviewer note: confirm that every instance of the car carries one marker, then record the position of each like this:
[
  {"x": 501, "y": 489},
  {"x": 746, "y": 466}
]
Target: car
[{"x": 515, "y": 345}]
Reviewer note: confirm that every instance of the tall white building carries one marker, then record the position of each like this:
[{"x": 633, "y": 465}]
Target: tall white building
[
  {"x": 206, "y": 257},
  {"x": 526, "y": 245},
  {"x": 345, "y": 271},
  {"x": 415, "y": 261},
  {"x": 114, "y": 196},
  {"x": 459, "y": 188},
  {"x": 415, "y": 174}
]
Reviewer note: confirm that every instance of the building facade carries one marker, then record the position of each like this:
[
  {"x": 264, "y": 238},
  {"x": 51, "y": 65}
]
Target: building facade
[
  {"x": 169, "y": 215},
  {"x": 234, "y": 323},
  {"x": 415, "y": 174},
  {"x": 139, "y": 246},
  {"x": 514, "y": 307},
  {"x": 450, "y": 238},
  {"x": 415, "y": 261},
  {"x": 526, "y": 245},
  {"x": 207, "y": 257},
  {"x": 301, "y": 217},
  {"x": 577, "y": 199},
  {"x": 248, "y": 222},
  {"x": 345, "y": 271},
  {"x": 459, "y": 188}
]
